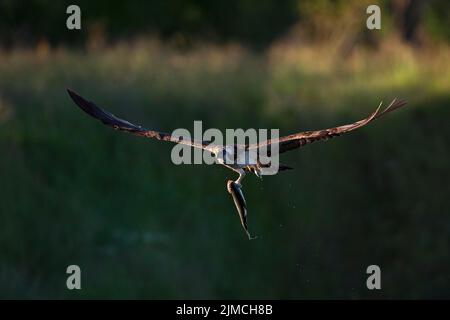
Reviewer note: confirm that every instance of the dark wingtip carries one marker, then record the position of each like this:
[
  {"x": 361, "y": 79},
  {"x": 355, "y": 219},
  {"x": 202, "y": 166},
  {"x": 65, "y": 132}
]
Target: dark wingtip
[
  {"x": 85, "y": 105},
  {"x": 72, "y": 93},
  {"x": 104, "y": 116},
  {"x": 75, "y": 97}
]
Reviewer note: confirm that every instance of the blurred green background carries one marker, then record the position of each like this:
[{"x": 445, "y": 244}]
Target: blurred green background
[{"x": 75, "y": 192}]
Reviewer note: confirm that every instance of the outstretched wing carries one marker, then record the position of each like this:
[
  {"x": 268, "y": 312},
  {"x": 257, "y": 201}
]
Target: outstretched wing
[
  {"x": 300, "y": 139},
  {"x": 239, "y": 201},
  {"x": 111, "y": 120}
]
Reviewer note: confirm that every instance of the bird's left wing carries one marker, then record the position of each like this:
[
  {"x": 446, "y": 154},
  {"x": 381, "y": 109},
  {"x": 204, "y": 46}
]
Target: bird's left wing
[
  {"x": 239, "y": 201},
  {"x": 300, "y": 139},
  {"x": 111, "y": 120}
]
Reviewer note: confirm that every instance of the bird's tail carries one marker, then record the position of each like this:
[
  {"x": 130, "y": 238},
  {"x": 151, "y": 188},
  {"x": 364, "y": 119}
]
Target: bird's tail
[{"x": 284, "y": 167}]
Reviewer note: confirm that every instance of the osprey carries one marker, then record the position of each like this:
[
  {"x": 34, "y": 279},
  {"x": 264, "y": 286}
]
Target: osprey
[{"x": 227, "y": 154}]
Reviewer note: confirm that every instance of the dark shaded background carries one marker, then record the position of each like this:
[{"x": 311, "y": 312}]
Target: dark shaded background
[
  {"x": 75, "y": 192},
  {"x": 256, "y": 25}
]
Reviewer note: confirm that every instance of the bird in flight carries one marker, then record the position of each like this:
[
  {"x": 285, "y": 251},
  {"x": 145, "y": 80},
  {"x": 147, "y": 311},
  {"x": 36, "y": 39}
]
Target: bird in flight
[{"x": 227, "y": 154}]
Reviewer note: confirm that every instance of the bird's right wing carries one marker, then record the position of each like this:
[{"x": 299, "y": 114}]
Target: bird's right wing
[
  {"x": 239, "y": 201},
  {"x": 111, "y": 120}
]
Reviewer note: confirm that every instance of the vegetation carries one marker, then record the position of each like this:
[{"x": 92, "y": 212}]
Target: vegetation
[
  {"x": 184, "y": 22},
  {"x": 75, "y": 192}
]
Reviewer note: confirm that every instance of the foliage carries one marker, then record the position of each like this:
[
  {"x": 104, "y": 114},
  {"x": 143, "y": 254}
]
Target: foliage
[
  {"x": 75, "y": 192},
  {"x": 255, "y": 24}
]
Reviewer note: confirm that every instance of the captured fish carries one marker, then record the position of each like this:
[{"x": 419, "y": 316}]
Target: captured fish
[{"x": 239, "y": 201}]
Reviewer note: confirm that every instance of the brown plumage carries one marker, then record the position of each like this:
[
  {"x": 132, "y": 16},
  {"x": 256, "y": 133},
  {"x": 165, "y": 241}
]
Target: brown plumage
[
  {"x": 223, "y": 154},
  {"x": 301, "y": 139},
  {"x": 119, "y": 124}
]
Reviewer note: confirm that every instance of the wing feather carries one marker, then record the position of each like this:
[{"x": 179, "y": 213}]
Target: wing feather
[
  {"x": 300, "y": 139},
  {"x": 111, "y": 120}
]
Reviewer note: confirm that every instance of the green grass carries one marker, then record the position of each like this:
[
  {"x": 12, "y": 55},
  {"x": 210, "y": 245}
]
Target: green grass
[{"x": 75, "y": 192}]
